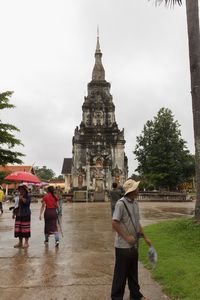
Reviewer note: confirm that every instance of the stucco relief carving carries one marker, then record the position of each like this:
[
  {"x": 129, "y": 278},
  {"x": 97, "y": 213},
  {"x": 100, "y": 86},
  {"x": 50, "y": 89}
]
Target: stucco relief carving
[{"x": 98, "y": 137}]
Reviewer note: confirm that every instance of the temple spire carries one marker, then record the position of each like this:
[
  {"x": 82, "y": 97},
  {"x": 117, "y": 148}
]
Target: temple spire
[
  {"x": 98, "y": 44},
  {"x": 98, "y": 72}
]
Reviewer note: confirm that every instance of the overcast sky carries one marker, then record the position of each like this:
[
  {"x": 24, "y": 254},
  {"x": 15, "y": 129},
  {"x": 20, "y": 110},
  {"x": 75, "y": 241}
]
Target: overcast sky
[{"x": 47, "y": 57}]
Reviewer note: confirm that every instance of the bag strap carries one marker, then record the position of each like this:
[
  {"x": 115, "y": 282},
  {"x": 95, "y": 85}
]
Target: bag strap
[{"x": 129, "y": 214}]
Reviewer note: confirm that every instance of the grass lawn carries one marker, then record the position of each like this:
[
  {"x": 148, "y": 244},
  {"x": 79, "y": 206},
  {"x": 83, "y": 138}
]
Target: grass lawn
[{"x": 178, "y": 268}]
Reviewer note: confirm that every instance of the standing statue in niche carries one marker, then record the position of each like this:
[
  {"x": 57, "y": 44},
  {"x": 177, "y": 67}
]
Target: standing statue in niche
[
  {"x": 80, "y": 181},
  {"x": 99, "y": 176}
]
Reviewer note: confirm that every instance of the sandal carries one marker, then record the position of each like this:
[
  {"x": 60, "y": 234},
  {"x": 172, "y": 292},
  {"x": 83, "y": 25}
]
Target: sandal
[{"x": 18, "y": 246}]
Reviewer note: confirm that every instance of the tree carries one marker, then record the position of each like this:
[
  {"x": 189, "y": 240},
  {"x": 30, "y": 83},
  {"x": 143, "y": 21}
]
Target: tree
[
  {"x": 161, "y": 152},
  {"x": 60, "y": 177},
  {"x": 2, "y": 175},
  {"x": 189, "y": 168},
  {"x": 44, "y": 173},
  {"x": 7, "y": 139},
  {"x": 192, "y": 11}
]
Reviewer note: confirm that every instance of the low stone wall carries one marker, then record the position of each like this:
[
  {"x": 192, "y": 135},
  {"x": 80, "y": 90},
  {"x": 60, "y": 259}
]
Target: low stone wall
[
  {"x": 162, "y": 197},
  {"x": 142, "y": 197}
]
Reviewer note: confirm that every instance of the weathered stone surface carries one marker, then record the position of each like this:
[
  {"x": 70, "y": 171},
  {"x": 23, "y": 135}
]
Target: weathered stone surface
[{"x": 98, "y": 144}]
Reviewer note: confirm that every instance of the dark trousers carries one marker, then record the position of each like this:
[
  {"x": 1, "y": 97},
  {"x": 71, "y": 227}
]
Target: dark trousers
[
  {"x": 126, "y": 267},
  {"x": 1, "y": 207}
]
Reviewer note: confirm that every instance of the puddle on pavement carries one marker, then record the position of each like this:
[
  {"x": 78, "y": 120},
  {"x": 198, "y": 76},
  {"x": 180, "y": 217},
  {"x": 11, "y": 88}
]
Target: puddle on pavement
[
  {"x": 166, "y": 212},
  {"x": 179, "y": 210},
  {"x": 6, "y": 228}
]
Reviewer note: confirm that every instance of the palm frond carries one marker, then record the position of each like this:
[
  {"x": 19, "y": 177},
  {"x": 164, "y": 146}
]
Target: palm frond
[{"x": 168, "y": 2}]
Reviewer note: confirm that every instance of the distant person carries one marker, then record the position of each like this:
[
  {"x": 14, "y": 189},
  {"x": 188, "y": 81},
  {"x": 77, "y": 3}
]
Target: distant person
[
  {"x": 23, "y": 218},
  {"x": 59, "y": 193},
  {"x": 115, "y": 195},
  {"x": 126, "y": 223},
  {"x": 2, "y": 196},
  {"x": 16, "y": 198},
  {"x": 16, "y": 203},
  {"x": 50, "y": 205}
]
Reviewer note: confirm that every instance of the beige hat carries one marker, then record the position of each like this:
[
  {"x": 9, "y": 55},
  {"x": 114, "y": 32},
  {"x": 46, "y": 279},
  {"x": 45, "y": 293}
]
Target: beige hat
[{"x": 130, "y": 185}]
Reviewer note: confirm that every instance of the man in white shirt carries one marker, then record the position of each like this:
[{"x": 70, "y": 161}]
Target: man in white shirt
[{"x": 126, "y": 223}]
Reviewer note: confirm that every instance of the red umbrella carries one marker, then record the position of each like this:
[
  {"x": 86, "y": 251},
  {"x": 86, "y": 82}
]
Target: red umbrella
[{"x": 23, "y": 176}]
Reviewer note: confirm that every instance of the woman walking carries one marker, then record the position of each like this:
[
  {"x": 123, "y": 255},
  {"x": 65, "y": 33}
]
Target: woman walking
[
  {"x": 23, "y": 218},
  {"x": 1, "y": 199},
  {"x": 50, "y": 204}
]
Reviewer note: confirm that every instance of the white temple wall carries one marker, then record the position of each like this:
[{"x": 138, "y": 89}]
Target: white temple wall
[
  {"x": 67, "y": 182},
  {"x": 79, "y": 156},
  {"x": 118, "y": 156}
]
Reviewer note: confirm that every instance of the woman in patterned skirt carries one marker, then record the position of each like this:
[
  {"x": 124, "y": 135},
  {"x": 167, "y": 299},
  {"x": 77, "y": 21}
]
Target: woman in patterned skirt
[
  {"x": 23, "y": 218},
  {"x": 50, "y": 204}
]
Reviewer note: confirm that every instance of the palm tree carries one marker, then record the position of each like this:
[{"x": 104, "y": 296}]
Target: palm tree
[{"x": 192, "y": 12}]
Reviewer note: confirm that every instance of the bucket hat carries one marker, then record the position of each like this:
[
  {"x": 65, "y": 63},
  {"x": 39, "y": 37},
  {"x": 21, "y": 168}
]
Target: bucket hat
[{"x": 130, "y": 185}]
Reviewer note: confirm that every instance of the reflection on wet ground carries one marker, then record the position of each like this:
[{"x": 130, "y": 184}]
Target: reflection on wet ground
[
  {"x": 82, "y": 267},
  {"x": 155, "y": 212},
  {"x": 5, "y": 228}
]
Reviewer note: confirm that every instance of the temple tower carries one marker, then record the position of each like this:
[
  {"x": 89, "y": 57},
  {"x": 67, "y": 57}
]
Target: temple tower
[{"x": 98, "y": 157}]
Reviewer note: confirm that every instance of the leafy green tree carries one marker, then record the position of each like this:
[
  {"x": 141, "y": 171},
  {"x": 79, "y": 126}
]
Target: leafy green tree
[
  {"x": 2, "y": 175},
  {"x": 60, "y": 177},
  {"x": 161, "y": 152},
  {"x": 189, "y": 168},
  {"x": 44, "y": 173},
  {"x": 7, "y": 138},
  {"x": 135, "y": 177}
]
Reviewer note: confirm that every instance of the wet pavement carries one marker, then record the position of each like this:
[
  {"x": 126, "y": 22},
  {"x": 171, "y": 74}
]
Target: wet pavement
[{"x": 82, "y": 267}]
